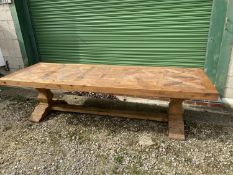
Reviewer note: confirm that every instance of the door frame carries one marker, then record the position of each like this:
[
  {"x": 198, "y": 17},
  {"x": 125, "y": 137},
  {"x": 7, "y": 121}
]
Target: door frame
[
  {"x": 220, "y": 43},
  {"x": 28, "y": 34}
]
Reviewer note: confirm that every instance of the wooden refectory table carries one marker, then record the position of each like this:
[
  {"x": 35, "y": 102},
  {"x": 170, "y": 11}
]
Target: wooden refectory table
[{"x": 177, "y": 84}]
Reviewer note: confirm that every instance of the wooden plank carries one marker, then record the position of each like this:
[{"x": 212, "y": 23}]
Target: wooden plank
[
  {"x": 175, "y": 120},
  {"x": 44, "y": 95},
  {"x": 43, "y": 108},
  {"x": 40, "y": 111},
  {"x": 162, "y": 117},
  {"x": 140, "y": 81}
]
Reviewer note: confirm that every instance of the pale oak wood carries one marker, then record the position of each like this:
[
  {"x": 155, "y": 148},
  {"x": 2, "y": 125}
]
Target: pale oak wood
[
  {"x": 43, "y": 108},
  {"x": 178, "y": 84},
  {"x": 40, "y": 111},
  {"x": 140, "y": 81},
  {"x": 162, "y": 117},
  {"x": 175, "y": 119}
]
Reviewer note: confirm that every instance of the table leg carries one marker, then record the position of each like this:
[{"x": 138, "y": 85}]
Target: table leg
[
  {"x": 42, "y": 109},
  {"x": 175, "y": 119}
]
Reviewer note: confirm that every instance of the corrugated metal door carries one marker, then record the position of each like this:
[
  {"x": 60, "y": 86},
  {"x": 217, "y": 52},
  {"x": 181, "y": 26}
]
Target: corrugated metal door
[{"x": 124, "y": 32}]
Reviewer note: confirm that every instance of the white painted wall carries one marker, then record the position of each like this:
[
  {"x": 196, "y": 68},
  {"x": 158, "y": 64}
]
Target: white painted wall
[
  {"x": 2, "y": 60},
  {"x": 9, "y": 43}
]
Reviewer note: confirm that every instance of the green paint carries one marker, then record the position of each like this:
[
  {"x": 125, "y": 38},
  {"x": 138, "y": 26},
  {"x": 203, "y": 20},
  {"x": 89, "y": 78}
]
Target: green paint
[
  {"x": 215, "y": 37},
  {"x": 220, "y": 43},
  {"x": 29, "y": 41},
  {"x": 138, "y": 32},
  {"x": 225, "y": 50},
  {"x": 19, "y": 34}
]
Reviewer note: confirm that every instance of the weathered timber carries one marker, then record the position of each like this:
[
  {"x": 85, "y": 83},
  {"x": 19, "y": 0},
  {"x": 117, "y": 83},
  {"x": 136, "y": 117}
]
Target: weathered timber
[
  {"x": 43, "y": 108},
  {"x": 140, "y": 81},
  {"x": 176, "y": 84},
  {"x": 175, "y": 119},
  {"x": 162, "y": 117}
]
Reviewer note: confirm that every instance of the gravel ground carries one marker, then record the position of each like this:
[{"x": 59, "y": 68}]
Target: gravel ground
[{"x": 72, "y": 143}]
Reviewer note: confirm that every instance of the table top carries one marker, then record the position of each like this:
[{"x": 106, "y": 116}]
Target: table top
[{"x": 140, "y": 81}]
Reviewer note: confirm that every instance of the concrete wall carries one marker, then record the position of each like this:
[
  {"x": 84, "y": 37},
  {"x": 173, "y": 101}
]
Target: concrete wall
[
  {"x": 229, "y": 85},
  {"x": 9, "y": 43}
]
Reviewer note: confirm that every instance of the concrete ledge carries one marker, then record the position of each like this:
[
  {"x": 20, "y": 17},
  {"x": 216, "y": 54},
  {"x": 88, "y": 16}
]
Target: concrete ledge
[{"x": 228, "y": 102}]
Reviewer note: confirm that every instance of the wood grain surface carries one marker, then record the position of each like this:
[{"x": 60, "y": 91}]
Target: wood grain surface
[{"x": 140, "y": 81}]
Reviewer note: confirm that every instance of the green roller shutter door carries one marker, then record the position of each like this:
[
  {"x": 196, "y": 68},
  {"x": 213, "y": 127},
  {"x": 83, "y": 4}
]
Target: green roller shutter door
[{"x": 123, "y": 32}]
